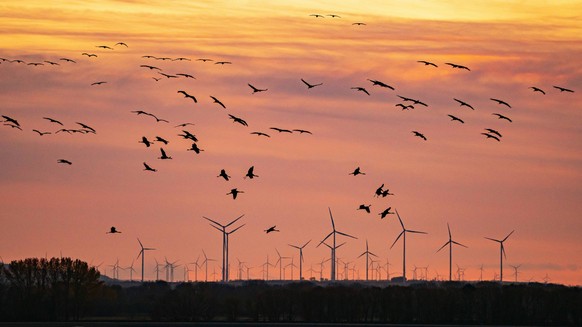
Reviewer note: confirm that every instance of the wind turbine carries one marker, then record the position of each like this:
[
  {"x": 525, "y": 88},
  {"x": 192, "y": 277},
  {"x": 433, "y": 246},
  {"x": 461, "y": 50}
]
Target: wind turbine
[
  {"x": 333, "y": 233},
  {"x": 196, "y": 266},
  {"x": 142, "y": 254},
  {"x": 515, "y": 268},
  {"x": 157, "y": 269},
  {"x": 205, "y": 263},
  {"x": 403, "y": 234},
  {"x": 131, "y": 271},
  {"x": 367, "y": 253},
  {"x": 280, "y": 262},
  {"x": 266, "y": 267},
  {"x": 300, "y": 248},
  {"x": 450, "y": 243},
  {"x": 501, "y": 253},
  {"x": 224, "y": 243}
]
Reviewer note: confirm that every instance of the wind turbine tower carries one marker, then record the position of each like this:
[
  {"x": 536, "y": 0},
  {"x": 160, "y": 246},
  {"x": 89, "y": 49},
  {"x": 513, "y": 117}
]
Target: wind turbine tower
[
  {"x": 300, "y": 248},
  {"x": 501, "y": 253},
  {"x": 403, "y": 234},
  {"x": 142, "y": 254},
  {"x": 450, "y": 243},
  {"x": 333, "y": 233}
]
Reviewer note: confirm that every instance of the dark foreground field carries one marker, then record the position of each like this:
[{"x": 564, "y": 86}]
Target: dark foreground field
[{"x": 62, "y": 289}]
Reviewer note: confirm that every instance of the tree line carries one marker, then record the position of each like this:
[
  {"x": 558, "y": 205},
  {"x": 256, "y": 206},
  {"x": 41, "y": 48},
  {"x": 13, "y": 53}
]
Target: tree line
[{"x": 66, "y": 289}]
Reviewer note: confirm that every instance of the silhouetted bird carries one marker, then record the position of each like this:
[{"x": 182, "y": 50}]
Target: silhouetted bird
[
  {"x": 255, "y": 90},
  {"x": 64, "y": 161},
  {"x": 88, "y": 54},
  {"x": 113, "y": 230},
  {"x": 500, "y": 116},
  {"x": 378, "y": 191},
  {"x": 53, "y": 120},
  {"x": 204, "y": 59},
  {"x": 160, "y": 139},
  {"x": 489, "y": 136},
  {"x": 104, "y": 47},
  {"x": 386, "y": 192},
  {"x": 419, "y": 135},
  {"x": 87, "y": 127},
  {"x": 217, "y": 101},
  {"x": 333, "y": 16},
  {"x": 453, "y": 118},
  {"x": 404, "y": 107},
  {"x": 492, "y": 131},
  {"x": 261, "y": 134},
  {"x": 501, "y": 102},
  {"x": 250, "y": 174},
  {"x": 148, "y": 168},
  {"x": 271, "y": 229},
  {"x": 238, "y": 120},
  {"x": 361, "y": 89},
  {"x": 167, "y": 75},
  {"x": 68, "y": 60},
  {"x": 281, "y": 130},
  {"x": 184, "y": 124},
  {"x": 40, "y": 133},
  {"x": 10, "y": 120},
  {"x": 413, "y": 100},
  {"x": 317, "y": 15},
  {"x": 98, "y": 83},
  {"x": 309, "y": 86},
  {"x": 150, "y": 67},
  {"x": 360, "y": 24},
  {"x": 145, "y": 141},
  {"x": 302, "y": 131},
  {"x": 122, "y": 43},
  {"x": 537, "y": 89},
  {"x": 52, "y": 63},
  {"x": 234, "y": 193},
  {"x": 563, "y": 89},
  {"x": 223, "y": 174},
  {"x": 194, "y": 147},
  {"x": 186, "y": 75},
  {"x": 457, "y": 66},
  {"x": 427, "y": 63},
  {"x": 186, "y": 95},
  {"x": 164, "y": 156},
  {"x": 357, "y": 172},
  {"x": 364, "y": 207},
  {"x": 223, "y": 63},
  {"x": 188, "y": 136},
  {"x": 13, "y": 126},
  {"x": 463, "y": 103},
  {"x": 386, "y": 212},
  {"x": 35, "y": 64},
  {"x": 181, "y": 59},
  {"x": 382, "y": 84}
]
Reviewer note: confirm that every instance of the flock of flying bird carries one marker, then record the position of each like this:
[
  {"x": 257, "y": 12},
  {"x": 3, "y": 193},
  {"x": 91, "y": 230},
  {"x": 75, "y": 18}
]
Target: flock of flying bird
[{"x": 405, "y": 104}]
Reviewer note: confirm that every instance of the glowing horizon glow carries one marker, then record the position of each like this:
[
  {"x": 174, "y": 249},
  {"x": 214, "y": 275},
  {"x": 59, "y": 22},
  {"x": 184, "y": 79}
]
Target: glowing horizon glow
[{"x": 530, "y": 181}]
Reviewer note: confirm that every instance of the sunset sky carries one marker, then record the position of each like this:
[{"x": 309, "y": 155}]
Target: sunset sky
[{"x": 530, "y": 181}]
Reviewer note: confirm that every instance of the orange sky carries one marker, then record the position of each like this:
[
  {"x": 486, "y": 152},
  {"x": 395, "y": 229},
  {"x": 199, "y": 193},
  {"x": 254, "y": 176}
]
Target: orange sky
[{"x": 529, "y": 182}]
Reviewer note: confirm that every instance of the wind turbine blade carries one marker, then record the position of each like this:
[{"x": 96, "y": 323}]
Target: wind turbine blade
[
  {"x": 361, "y": 254},
  {"x": 234, "y": 230},
  {"x": 503, "y": 250},
  {"x": 217, "y": 223},
  {"x": 506, "y": 237},
  {"x": 372, "y": 254},
  {"x": 218, "y": 229},
  {"x": 337, "y": 247},
  {"x": 279, "y": 254},
  {"x": 443, "y": 246},
  {"x": 399, "y": 219},
  {"x": 331, "y": 216},
  {"x": 140, "y": 243},
  {"x": 205, "y": 257},
  {"x": 232, "y": 222},
  {"x": 415, "y": 231},
  {"x": 348, "y": 235},
  {"x": 492, "y": 239},
  {"x": 460, "y": 244},
  {"x": 294, "y": 246},
  {"x": 139, "y": 254},
  {"x": 397, "y": 239},
  {"x": 449, "y": 228},
  {"x": 304, "y": 245},
  {"x": 148, "y": 249},
  {"x": 328, "y": 235}
]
